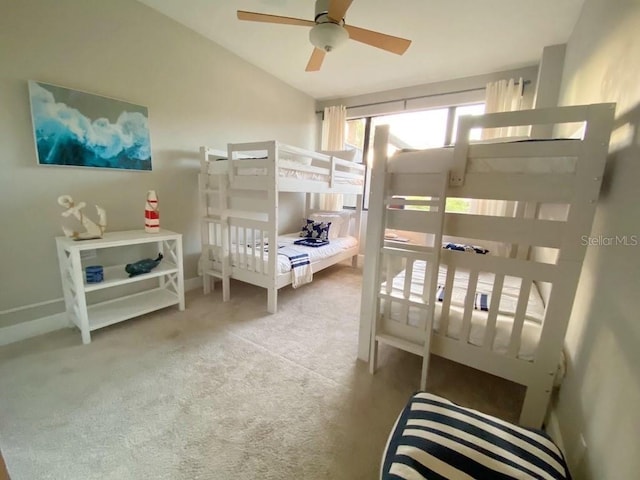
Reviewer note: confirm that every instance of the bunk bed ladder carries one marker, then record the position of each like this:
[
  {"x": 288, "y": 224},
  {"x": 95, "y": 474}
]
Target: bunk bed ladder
[
  {"x": 431, "y": 275},
  {"x": 214, "y": 229},
  {"x": 431, "y": 208}
]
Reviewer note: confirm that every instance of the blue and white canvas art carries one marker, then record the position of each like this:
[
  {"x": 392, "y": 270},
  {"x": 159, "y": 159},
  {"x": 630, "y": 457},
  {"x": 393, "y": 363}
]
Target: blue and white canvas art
[{"x": 84, "y": 130}]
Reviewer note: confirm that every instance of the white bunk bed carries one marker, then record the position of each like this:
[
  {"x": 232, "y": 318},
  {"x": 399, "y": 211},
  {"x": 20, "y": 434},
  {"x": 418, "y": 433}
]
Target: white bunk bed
[
  {"x": 521, "y": 342},
  {"x": 239, "y": 208}
]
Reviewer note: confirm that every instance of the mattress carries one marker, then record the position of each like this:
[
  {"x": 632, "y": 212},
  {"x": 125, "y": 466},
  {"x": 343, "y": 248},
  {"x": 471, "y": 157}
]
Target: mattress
[
  {"x": 508, "y": 301},
  {"x": 291, "y": 169},
  {"x": 443, "y": 158},
  {"x": 335, "y": 247}
]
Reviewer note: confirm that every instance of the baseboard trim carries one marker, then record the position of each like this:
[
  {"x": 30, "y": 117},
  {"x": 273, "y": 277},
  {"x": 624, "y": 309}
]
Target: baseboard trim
[
  {"x": 40, "y": 326},
  {"x": 33, "y": 328},
  {"x": 192, "y": 283}
]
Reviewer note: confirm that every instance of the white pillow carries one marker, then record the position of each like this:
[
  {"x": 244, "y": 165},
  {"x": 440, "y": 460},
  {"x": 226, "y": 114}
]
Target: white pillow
[
  {"x": 339, "y": 222},
  {"x": 336, "y": 223},
  {"x": 349, "y": 155}
]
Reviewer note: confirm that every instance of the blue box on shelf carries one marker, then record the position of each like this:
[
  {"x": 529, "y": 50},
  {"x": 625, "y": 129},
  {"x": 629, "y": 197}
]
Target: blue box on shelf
[{"x": 94, "y": 273}]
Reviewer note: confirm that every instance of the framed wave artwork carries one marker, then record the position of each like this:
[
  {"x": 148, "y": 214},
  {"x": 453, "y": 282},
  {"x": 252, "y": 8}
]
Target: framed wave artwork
[{"x": 80, "y": 129}]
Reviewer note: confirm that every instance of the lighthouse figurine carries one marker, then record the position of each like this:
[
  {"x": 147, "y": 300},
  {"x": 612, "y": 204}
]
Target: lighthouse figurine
[{"x": 151, "y": 213}]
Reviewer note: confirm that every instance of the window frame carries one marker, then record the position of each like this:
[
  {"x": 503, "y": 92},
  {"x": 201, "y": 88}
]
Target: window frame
[{"x": 448, "y": 140}]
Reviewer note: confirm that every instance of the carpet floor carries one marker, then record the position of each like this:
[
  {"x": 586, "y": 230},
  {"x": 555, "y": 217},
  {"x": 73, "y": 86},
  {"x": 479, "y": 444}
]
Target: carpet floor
[{"x": 220, "y": 391}]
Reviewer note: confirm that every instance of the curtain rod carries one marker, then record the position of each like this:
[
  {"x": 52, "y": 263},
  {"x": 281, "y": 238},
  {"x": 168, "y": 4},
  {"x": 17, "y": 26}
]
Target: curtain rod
[{"x": 405, "y": 100}]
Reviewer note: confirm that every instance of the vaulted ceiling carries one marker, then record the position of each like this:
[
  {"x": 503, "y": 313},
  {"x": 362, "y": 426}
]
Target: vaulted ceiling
[{"x": 450, "y": 39}]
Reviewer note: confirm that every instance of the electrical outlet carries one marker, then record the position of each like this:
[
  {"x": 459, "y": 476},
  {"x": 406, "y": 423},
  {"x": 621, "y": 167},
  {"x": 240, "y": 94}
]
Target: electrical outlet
[{"x": 88, "y": 254}]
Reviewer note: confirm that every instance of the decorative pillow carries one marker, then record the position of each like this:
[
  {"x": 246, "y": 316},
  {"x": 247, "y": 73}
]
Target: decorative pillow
[
  {"x": 465, "y": 248},
  {"x": 334, "y": 220},
  {"x": 435, "y": 438},
  {"x": 340, "y": 221},
  {"x": 318, "y": 230}
]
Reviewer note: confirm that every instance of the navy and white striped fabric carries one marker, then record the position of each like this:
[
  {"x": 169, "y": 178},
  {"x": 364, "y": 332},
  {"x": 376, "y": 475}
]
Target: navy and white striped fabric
[
  {"x": 436, "y": 439},
  {"x": 300, "y": 265},
  {"x": 480, "y": 301}
]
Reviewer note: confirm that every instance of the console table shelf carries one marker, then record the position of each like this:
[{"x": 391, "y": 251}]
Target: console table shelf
[{"x": 169, "y": 275}]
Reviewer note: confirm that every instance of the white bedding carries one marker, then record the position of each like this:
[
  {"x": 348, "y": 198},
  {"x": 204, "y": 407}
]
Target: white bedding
[
  {"x": 336, "y": 246},
  {"x": 532, "y": 325},
  {"x": 444, "y": 158}
]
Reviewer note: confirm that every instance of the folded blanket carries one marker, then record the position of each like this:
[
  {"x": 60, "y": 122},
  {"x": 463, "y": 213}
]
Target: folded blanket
[
  {"x": 312, "y": 242},
  {"x": 300, "y": 265},
  {"x": 480, "y": 302}
]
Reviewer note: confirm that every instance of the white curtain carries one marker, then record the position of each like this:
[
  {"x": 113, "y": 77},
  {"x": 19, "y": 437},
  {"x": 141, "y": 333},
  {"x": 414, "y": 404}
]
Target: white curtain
[
  {"x": 504, "y": 96},
  {"x": 501, "y": 96},
  {"x": 333, "y": 136}
]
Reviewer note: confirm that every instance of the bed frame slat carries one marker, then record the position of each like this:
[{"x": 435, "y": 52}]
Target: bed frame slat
[
  {"x": 518, "y": 319},
  {"x": 406, "y": 291},
  {"x": 446, "y": 301},
  {"x": 544, "y": 188},
  {"x": 490, "y": 330},
  {"x": 468, "y": 306},
  {"x": 548, "y": 148}
]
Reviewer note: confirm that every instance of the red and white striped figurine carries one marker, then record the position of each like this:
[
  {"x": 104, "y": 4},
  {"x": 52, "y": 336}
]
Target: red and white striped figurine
[{"x": 151, "y": 213}]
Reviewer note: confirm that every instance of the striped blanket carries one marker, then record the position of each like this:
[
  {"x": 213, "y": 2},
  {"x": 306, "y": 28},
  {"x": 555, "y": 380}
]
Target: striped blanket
[
  {"x": 480, "y": 301},
  {"x": 300, "y": 265},
  {"x": 436, "y": 439}
]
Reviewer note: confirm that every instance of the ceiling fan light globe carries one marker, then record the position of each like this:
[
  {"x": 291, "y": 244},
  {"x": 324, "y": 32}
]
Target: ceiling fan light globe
[{"x": 328, "y": 36}]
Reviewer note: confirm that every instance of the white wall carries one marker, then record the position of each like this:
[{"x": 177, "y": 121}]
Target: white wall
[
  {"x": 197, "y": 93},
  {"x": 601, "y": 393}
]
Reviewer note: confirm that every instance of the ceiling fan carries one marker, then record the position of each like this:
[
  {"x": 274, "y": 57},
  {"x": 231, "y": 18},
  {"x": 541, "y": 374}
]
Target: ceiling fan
[{"x": 329, "y": 30}]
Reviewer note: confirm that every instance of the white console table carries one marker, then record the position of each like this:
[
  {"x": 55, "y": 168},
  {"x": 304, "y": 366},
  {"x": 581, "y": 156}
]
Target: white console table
[{"x": 169, "y": 290}]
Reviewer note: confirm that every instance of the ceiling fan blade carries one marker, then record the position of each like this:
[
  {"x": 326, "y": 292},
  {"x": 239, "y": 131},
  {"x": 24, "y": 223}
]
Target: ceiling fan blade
[
  {"x": 380, "y": 40},
  {"x": 315, "y": 62},
  {"x": 263, "y": 17},
  {"x": 338, "y": 9}
]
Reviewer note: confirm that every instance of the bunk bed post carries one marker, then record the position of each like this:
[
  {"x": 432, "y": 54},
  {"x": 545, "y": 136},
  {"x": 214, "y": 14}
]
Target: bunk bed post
[
  {"x": 357, "y": 228},
  {"x": 224, "y": 184},
  {"x": 460, "y": 152},
  {"x": 589, "y": 171},
  {"x": 205, "y": 236},
  {"x": 272, "y": 197},
  {"x": 375, "y": 235}
]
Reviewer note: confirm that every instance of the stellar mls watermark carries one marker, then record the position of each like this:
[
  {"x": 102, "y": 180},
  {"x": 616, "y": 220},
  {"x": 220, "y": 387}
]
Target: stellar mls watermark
[{"x": 610, "y": 241}]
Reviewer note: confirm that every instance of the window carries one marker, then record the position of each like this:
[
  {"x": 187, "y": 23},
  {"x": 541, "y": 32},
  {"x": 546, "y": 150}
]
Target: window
[
  {"x": 475, "y": 133},
  {"x": 417, "y": 130},
  {"x": 410, "y": 130},
  {"x": 355, "y": 136}
]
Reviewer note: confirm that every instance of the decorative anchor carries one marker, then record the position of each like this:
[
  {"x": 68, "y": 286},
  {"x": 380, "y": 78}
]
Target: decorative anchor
[{"x": 92, "y": 230}]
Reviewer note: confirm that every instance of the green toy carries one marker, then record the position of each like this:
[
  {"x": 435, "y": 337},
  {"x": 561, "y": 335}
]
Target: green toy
[{"x": 142, "y": 266}]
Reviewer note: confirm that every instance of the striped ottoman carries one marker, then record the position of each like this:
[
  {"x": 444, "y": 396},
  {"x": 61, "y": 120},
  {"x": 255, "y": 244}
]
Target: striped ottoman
[{"x": 436, "y": 439}]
